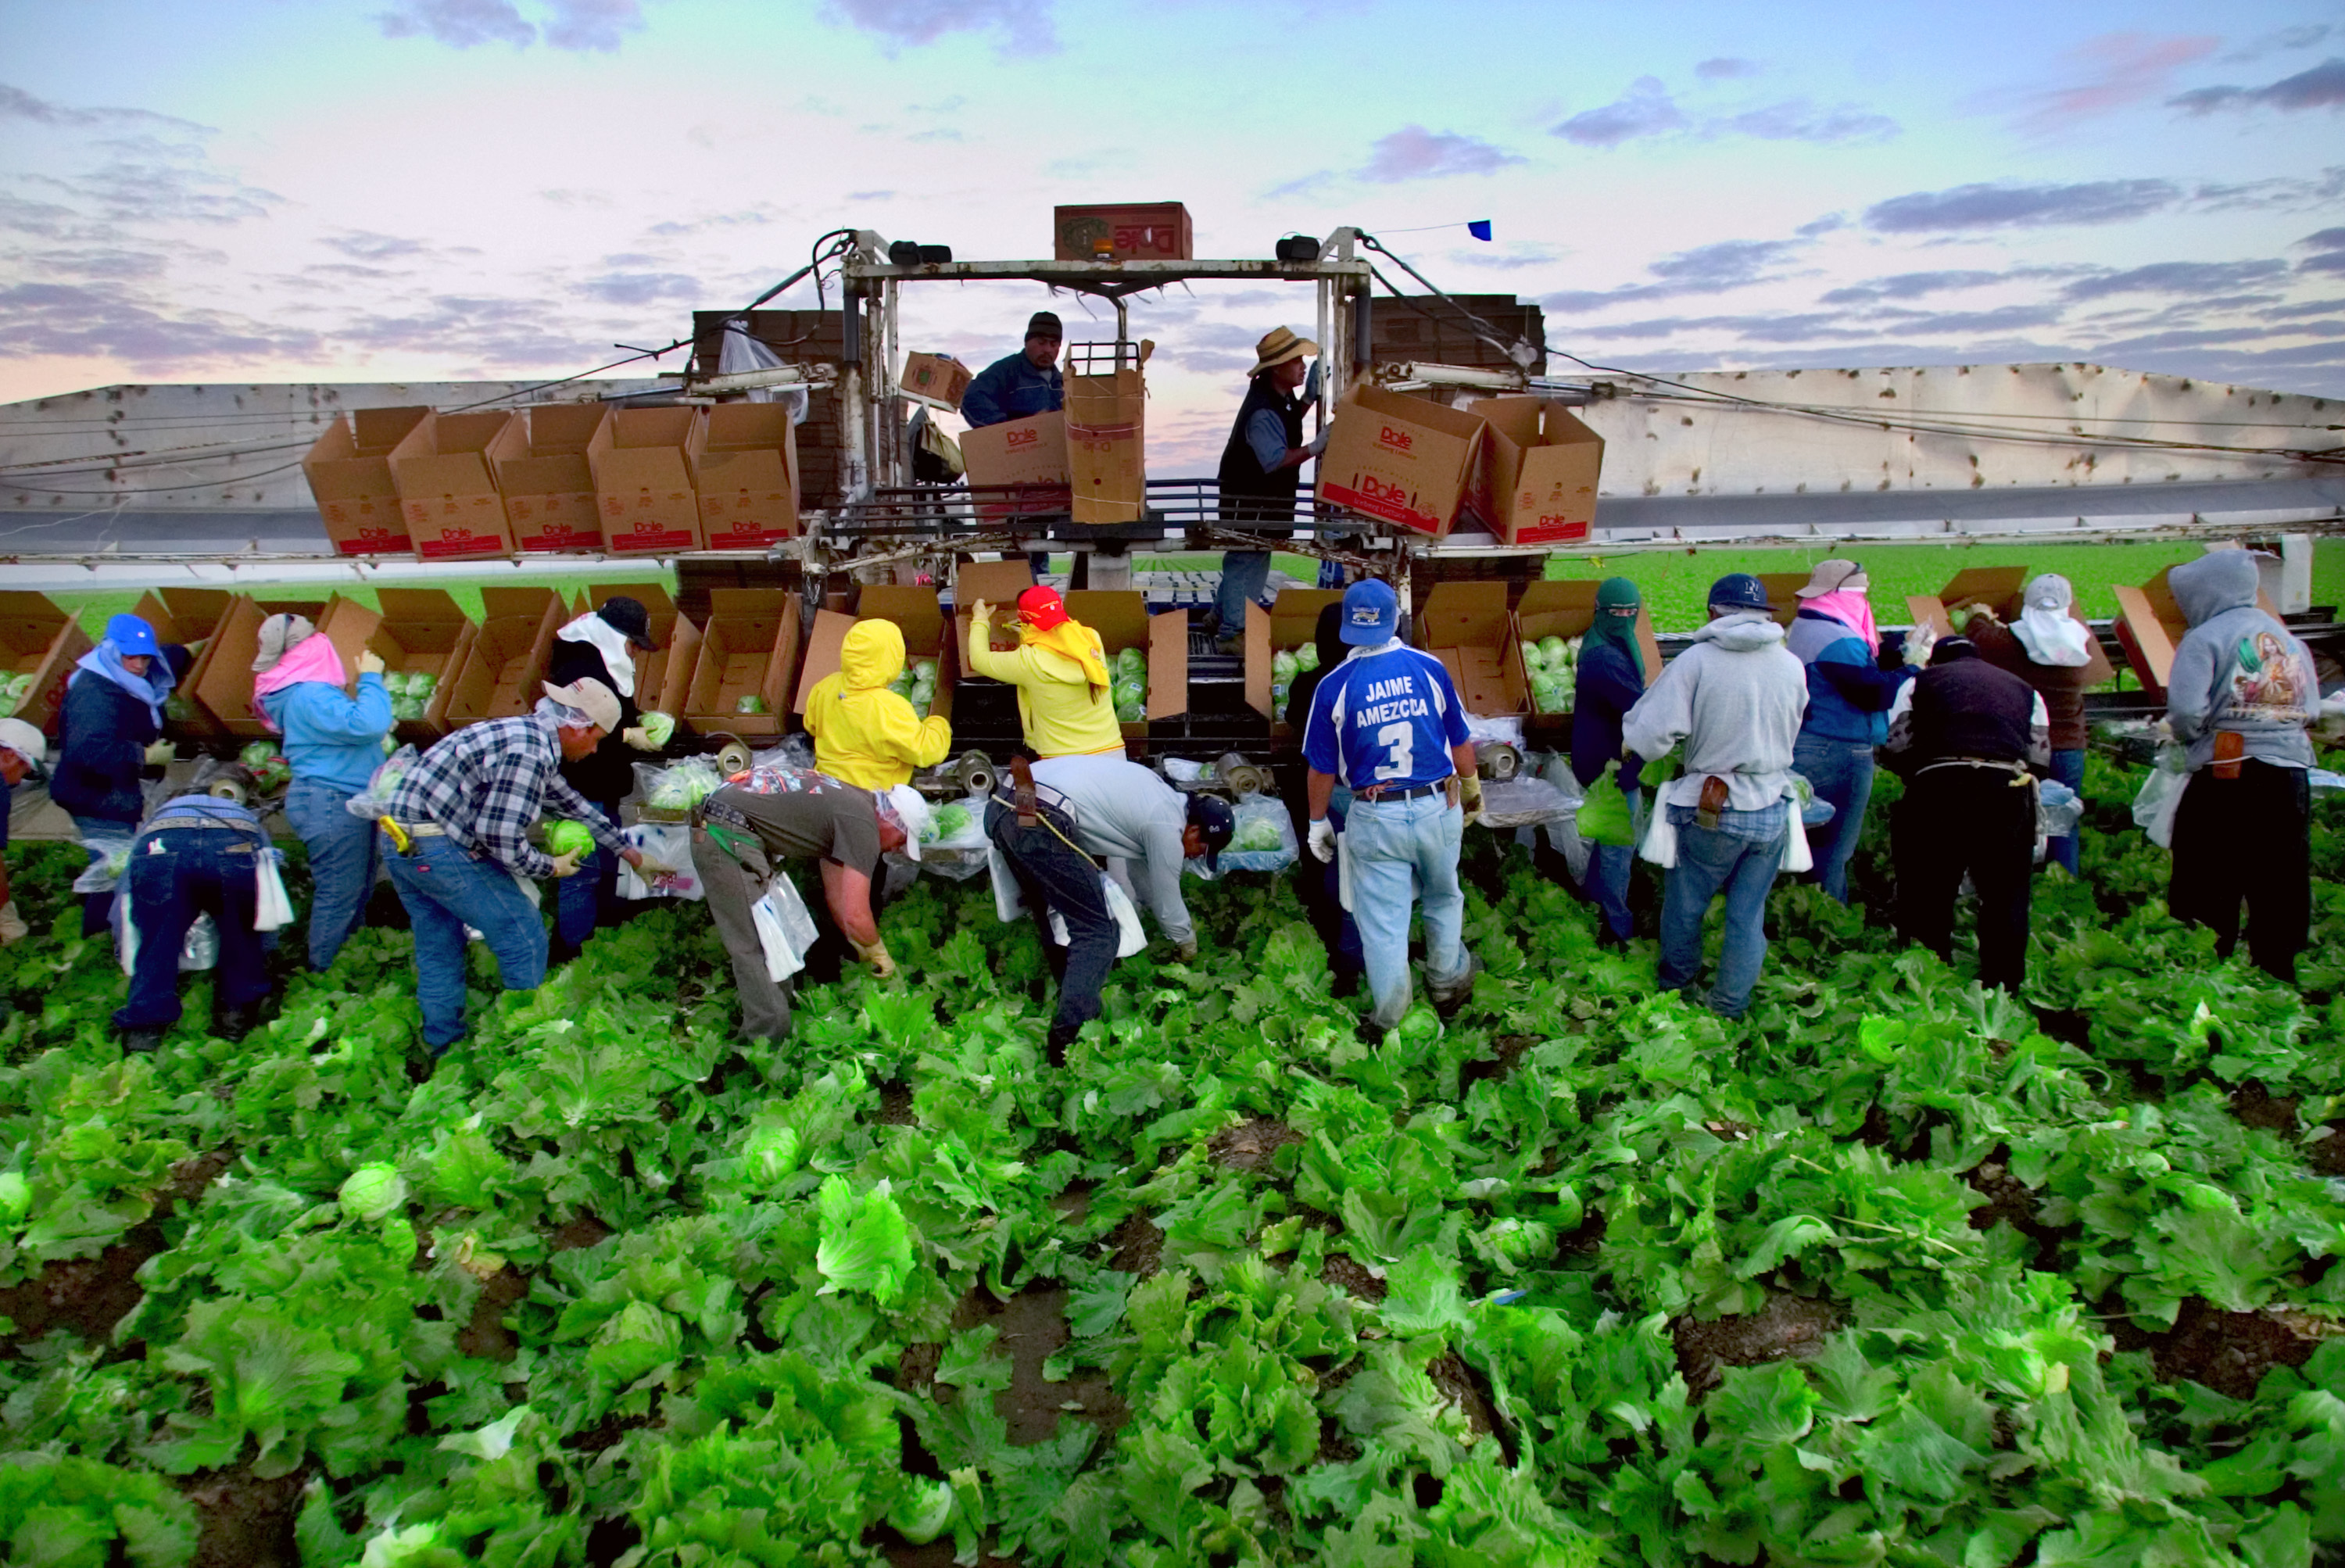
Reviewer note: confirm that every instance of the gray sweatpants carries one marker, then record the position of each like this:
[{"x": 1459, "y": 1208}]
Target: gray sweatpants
[{"x": 731, "y": 888}]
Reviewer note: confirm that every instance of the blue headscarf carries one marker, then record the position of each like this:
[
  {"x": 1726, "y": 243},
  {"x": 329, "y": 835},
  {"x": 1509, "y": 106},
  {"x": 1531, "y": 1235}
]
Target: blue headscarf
[{"x": 105, "y": 661}]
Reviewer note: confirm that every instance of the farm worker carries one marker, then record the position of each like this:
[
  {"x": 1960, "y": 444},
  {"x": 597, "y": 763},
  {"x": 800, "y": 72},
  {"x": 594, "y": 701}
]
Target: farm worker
[
  {"x": 457, "y": 841},
  {"x": 740, "y": 836},
  {"x": 195, "y": 855},
  {"x": 1261, "y": 464},
  {"x": 1035, "y": 829},
  {"x": 1965, "y": 736},
  {"x": 1607, "y": 681},
  {"x": 110, "y": 733},
  {"x": 1124, "y": 812},
  {"x": 2047, "y": 648},
  {"x": 24, "y": 754},
  {"x": 600, "y": 646},
  {"x": 1387, "y": 725},
  {"x": 1320, "y": 885},
  {"x": 1848, "y": 694},
  {"x": 1061, "y": 672},
  {"x": 1019, "y": 386},
  {"x": 865, "y": 734},
  {"x": 2241, "y": 692},
  {"x": 1735, "y": 699},
  {"x": 333, "y": 743}
]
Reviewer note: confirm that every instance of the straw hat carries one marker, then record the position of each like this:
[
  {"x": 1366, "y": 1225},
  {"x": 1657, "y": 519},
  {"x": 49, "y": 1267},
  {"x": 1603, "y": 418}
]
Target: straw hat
[{"x": 1278, "y": 346}]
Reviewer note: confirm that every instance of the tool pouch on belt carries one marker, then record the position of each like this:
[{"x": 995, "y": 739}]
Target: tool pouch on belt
[
  {"x": 2230, "y": 750},
  {"x": 1713, "y": 801},
  {"x": 1021, "y": 778}
]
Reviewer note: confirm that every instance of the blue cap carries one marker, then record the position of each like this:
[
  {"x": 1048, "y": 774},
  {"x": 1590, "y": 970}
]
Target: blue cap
[
  {"x": 129, "y": 634},
  {"x": 1741, "y": 591},
  {"x": 1371, "y": 612}
]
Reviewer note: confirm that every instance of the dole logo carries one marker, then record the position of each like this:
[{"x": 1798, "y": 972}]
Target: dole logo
[
  {"x": 1398, "y": 439},
  {"x": 1018, "y": 438},
  {"x": 1378, "y": 490}
]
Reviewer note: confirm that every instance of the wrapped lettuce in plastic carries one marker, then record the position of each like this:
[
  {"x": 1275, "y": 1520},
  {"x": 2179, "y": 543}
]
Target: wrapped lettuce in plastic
[
  {"x": 751, "y": 704},
  {"x": 1306, "y": 657},
  {"x": 564, "y": 837},
  {"x": 659, "y": 727}
]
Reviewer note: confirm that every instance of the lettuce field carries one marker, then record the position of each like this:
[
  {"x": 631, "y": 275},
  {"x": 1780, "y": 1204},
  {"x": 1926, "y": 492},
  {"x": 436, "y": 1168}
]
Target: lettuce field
[{"x": 1895, "y": 1271}]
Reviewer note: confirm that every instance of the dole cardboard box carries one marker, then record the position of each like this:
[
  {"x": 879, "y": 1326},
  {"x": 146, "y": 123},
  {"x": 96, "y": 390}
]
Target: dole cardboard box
[
  {"x": 39, "y": 639},
  {"x": 1999, "y": 589},
  {"x": 745, "y": 465},
  {"x": 188, "y": 616},
  {"x": 661, "y": 676},
  {"x": 981, "y": 700},
  {"x": 642, "y": 463},
  {"x": 939, "y": 377},
  {"x": 748, "y": 649},
  {"x": 223, "y": 681},
  {"x": 417, "y": 631},
  {"x": 1783, "y": 592},
  {"x": 1107, "y": 429},
  {"x": 1120, "y": 618},
  {"x": 1539, "y": 472},
  {"x": 1291, "y": 622},
  {"x": 1566, "y": 609},
  {"x": 348, "y": 470},
  {"x": 1405, "y": 460},
  {"x": 541, "y": 469},
  {"x": 2151, "y": 626},
  {"x": 1129, "y": 231},
  {"x": 506, "y": 666},
  {"x": 448, "y": 489},
  {"x": 1467, "y": 627},
  {"x": 916, "y": 612},
  {"x": 1023, "y": 462}
]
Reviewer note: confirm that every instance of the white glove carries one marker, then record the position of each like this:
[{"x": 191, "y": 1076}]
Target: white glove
[
  {"x": 640, "y": 738},
  {"x": 12, "y": 924},
  {"x": 162, "y": 751},
  {"x": 370, "y": 662},
  {"x": 1323, "y": 841},
  {"x": 1918, "y": 645},
  {"x": 1319, "y": 443},
  {"x": 567, "y": 865}
]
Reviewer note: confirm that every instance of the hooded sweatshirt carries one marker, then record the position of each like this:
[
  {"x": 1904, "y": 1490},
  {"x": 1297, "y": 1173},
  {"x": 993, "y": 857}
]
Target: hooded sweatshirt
[
  {"x": 2238, "y": 669},
  {"x": 863, "y": 733},
  {"x": 1735, "y": 697},
  {"x": 1063, "y": 714}
]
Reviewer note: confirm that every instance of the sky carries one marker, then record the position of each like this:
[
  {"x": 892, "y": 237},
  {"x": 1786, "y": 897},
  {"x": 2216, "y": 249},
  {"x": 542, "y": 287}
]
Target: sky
[{"x": 272, "y": 190}]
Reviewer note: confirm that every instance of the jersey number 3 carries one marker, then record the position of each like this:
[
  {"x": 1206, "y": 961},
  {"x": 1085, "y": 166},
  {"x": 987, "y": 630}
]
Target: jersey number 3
[{"x": 1399, "y": 743}]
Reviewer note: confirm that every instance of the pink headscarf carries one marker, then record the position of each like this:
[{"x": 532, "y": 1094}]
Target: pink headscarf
[
  {"x": 311, "y": 658},
  {"x": 1851, "y": 609}
]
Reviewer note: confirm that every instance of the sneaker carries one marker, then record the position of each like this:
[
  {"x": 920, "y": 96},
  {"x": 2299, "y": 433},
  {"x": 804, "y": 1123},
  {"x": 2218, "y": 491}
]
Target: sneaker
[{"x": 141, "y": 1041}]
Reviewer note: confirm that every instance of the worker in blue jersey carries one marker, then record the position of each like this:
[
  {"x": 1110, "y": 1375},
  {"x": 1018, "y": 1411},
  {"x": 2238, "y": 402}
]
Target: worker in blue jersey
[{"x": 1387, "y": 724}]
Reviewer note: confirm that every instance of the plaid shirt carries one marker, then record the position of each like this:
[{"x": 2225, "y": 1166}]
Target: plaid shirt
[{"x": 486, "y": 783}]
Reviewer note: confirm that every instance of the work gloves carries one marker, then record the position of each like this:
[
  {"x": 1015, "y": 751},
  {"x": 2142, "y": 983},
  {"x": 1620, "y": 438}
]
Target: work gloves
[
  {"x": 640, "y": 738},
  {"x": 162, "y": 751},
  {"x": 1319, "y": 443},
  {"x": 567, "y": 865},
  {"x": 370, "y": 662},
  {"x": 12, "y": 924},
  {"x": 1918, "y": 644},
  {"x": 1469, "y": 796},
  {"x": 877, "y": 956},
  {"x": 1323, "y": 841}
]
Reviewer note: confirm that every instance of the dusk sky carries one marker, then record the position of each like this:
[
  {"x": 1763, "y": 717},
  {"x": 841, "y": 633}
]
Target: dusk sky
[{"x": 313, "y": 190}]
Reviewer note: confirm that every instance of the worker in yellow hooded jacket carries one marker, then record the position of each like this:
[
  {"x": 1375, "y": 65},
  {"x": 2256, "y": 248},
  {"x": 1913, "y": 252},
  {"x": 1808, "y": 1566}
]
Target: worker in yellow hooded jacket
[
  {"x": 1061, "y": 672},
  {"x": 864, "y": 734}
]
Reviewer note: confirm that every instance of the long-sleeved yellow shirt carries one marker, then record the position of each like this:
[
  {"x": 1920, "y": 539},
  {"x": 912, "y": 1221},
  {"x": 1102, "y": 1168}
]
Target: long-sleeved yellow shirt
[
  {"x": 1061, "y": 715},
  {"x": 864, "y": 734}
]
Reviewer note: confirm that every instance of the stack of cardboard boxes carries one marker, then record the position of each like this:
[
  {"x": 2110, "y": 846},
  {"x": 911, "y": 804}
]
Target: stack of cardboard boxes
[{"x": 1522, "y": 467}]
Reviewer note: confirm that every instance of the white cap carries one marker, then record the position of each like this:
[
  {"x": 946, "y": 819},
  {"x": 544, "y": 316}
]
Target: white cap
[
  {"x": 26, "y": 742},
  {"x": 591, "y": 698}
]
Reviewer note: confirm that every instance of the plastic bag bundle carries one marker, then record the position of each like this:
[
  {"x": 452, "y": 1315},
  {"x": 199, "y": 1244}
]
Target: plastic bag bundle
[
  {"x": 113, "y": 852},
  {"x": 2058, "y": 810},
  {"x": 671, "y": 793},
  {"x": 1524, "y": 802},
  {"x": 2161, "y": 796},
  {"x": 374, "y": 800},
  {"x": 1264, "y": 840},
  {"x": 667, "y": 873}
]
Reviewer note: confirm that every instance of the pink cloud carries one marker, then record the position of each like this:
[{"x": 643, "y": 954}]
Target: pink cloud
[{"x": 2112, "y": 72}]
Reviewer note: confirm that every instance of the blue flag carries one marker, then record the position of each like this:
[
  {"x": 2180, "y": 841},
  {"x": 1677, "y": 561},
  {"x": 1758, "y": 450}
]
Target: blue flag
[{"x": 1480, "y": 228}]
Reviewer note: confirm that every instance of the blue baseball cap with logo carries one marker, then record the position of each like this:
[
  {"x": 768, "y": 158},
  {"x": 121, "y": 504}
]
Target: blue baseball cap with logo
[
  {"x": 1371, "y": 612},
  {"x": 129, "y": 634},
  {"x": 1739, "y": 591}
]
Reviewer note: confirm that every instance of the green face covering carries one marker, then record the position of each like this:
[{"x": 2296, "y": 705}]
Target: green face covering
[{"x": 1618, "y": 594}]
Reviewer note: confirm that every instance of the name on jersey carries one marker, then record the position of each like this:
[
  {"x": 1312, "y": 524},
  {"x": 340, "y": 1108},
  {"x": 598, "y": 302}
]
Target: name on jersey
[{"x": 1389, "y": 700}]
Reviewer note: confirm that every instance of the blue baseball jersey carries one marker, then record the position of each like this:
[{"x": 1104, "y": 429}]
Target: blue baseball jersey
[{"x": 1386, "y": 718}]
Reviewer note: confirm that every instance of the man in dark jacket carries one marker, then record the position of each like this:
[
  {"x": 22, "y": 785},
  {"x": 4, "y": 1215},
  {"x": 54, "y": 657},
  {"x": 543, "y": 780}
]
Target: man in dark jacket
[
  {"x": 1606, "y": 684},
  {"x": 1970, "y": 747},
  {"x": 109, "y": 733},
  {"x": 1320, "y": 886},
  {"x": 600, "y": 646},
  {"x": 1261, "y": 465},
  {"x": 1019, "y": 385}
]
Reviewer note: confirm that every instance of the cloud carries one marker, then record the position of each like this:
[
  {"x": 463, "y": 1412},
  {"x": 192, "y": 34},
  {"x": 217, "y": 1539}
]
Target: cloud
[
  {"x": 601, "y": 25},
  {"x": 2200, "y": 277},
  {"x": 363, "y": 245},
  {"x": 17, "y": 104},
  {"x": 1025, "y": 26},
  {"x": 1508, "y": 258},
  {"x": 1909, "y": 286},
  {"x": 171, "y": 184},
  {"x": 2282, "y": 41},
  {"x": 2114, "y": 71},
  {"x": 1413, "y": 152},
  {"x": 1724, "y": 67},
  {"x": 2321, "y": 87},
  {"x": 109, "y": 321},
  {"x": 1648, "y": 109},
  {"x": 2280, "y": 193},
  {"x": 1645, "y": 109},
  {"x": 563, "y": 198},
  {"x": 870, "y": 195},
  {"x": 1796, "y": 120},
  {"x": 1705, "y": 269},
  {"x": 641, "y": 287},
  {"x": 1830, "y": 223},
  {"x": 2004, "y": 206},
  {"x": 596, "y": 26},
  {"x": 2309, "y": 307}
]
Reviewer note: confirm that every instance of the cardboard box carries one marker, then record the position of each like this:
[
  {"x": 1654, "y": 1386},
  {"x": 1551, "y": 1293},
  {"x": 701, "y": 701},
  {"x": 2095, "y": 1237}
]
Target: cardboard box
[
  {"x": 503, "y": 670},
  {"x": 447, "y": 490},
  {"x": 1107, "y": 434},
  {"x": 1566, "y": 609},
  {"x": 662, "y": 677},
  {"x": 541, "y": 466},
  {"x": 1291, "y": 622},
  {"x": 1998, "y": 588},
  {"x": 1540, "y": 467},
  {"x": 222, "y": 682},
  {"x": 1783, "y": 592},
  {"x": 1139, "y": 232},
  {"x": 2151, "y": 626},
  {"x": 187, "y": 617},
  {"x": 750, "y": 647},
  {"x": 348, "y": 470},
  {"x": 642, "y": 463},
  {"x": 1023, "y": 462},
  {"x": 998, "y": 584},
  {"x": 1120, "y": 618},
  {"x": 916, "y": 612},
  {"x": 744, "y": 467},
  {"x": 940, "y": 377},
  {"x": 39, "y": 639},
  {"x": 417, "y": 629},
  {"x": 1465, "y": 625},
  {"x": 1405, "y": 460}
]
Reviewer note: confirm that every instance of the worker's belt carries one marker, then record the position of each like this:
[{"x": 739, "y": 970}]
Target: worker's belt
[
  {"x": 2018, "y": 769},
  {"x": 402, "y": 835},
  {"x": 1376, "y": 794},
  {"x": 161, "y": 823}
]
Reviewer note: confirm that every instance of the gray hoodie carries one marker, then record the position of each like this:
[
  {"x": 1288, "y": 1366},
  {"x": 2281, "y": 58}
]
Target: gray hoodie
[
  {"x": 2239, "y": 668},
  {"x": 1735, "y": 699}
]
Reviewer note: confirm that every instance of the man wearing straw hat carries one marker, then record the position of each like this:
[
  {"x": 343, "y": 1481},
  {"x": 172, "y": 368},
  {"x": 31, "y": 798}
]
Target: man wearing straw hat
[{"x": 1263, "y": 464}]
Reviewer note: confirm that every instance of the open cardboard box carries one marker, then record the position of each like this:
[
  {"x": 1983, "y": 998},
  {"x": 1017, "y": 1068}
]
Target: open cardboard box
[
  {"x": 1406, "y": 460},
  {"x": 39, "y": 639},
  {"x": 1465, "y": 625},
  {"x": 1120, "y": 618},
  {"x": 504, "y": 671},
  {"x": 662, "y": 676},
  {"x": 1536, "y": 483},
  {"x": 745, "y": 465},
  {"x": 642, "y": 462},
  {"x": 416, "y": 630},
  {"x": 916, "y": 612},
  {"x": 348, "y": 470},
  {"x": 940, "y": 377},
  {"x": 2151, "y": 626},
  {"x": 548, "y": 485},
  {"x": 448, "y": 489},
  {"x": 1291, "y": 622},
  {"x": 187, "y": 617},
  {"x": 749, "y": 648},
  {"x": 1566, "y": 609},
  {"x": 998, "y": 584},
  {"x": 1998, "y": 588},
  {"x": 1022, "y": 462},
  {"x": 1107, "y": 434},
  {"x": 223, "y": 681}
]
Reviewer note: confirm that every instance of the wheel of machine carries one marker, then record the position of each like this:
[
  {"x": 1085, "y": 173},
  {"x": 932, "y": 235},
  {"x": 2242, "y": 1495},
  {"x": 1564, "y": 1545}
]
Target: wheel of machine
[
  {"x": 733, "y": 754},
  {"x": 1499, "y": 761},
  {"x": 1242, "y": 776},
  {"x": 976, "y": 773}
]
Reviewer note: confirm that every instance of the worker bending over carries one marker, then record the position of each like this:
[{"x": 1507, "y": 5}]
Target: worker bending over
[
  {"x": 196, "y": 855},
  {"x": 1036, "y": 830},
  {"x": 1060, "y": 669},
  {"x": 1125, "y": 813},
  {"x": 456, "y": 841},
  {"x": 865, "y": 734},
  {"x": 601, "y": 646},
  {"x": 1387, "y": 725}
]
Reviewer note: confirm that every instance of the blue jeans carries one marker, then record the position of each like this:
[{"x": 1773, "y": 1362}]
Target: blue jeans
[
  {"x": 2068, "y": 768},
  {"x": 1739, "y": 857},
  {"x": 342, "y": 864},
  {"x": 1245, "y": 576},
  {"x": 1840, "y": 771},
  {"x": 1054, "y": 875},
  {"x": 580, "y": 899},
  {"x": 176, "y": 874},
  {"x": 1404, "y": 851},
  {"x": 446, "y": 889},
  {"x": 1609, "y": 867}
]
